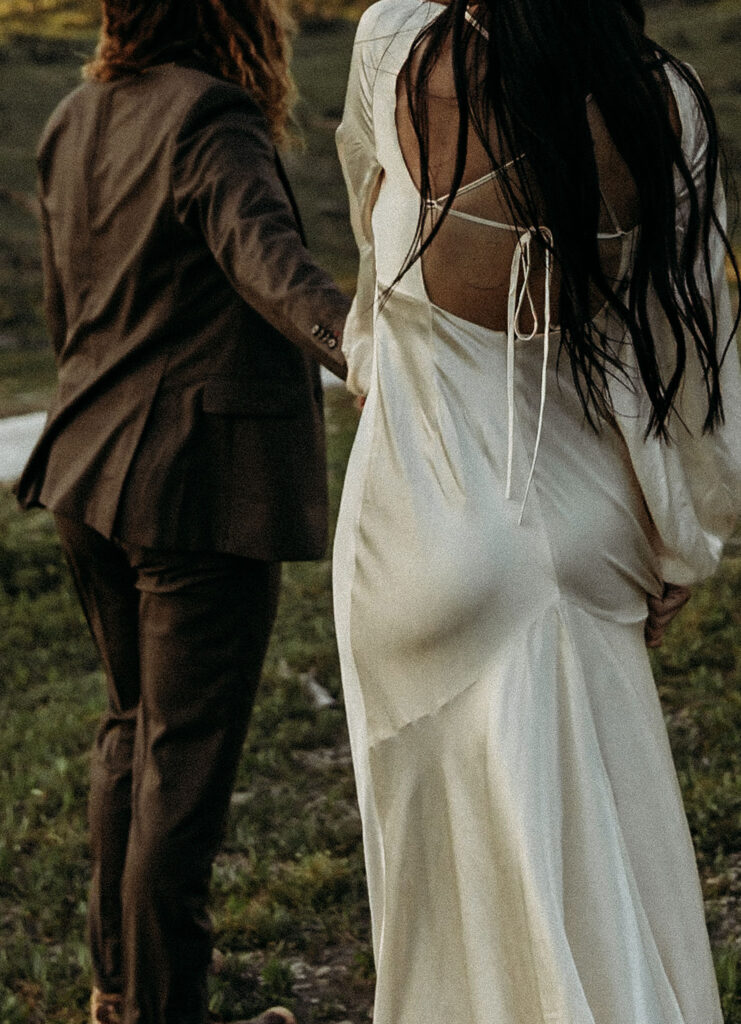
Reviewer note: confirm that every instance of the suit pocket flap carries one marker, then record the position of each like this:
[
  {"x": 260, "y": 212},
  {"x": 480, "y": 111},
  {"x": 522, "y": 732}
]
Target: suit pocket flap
[{"x": 227, "y": 397}]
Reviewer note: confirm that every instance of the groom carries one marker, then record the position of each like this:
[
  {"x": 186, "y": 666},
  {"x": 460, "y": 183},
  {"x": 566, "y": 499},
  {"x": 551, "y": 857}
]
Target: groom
[{"x": 183, "y": 457}]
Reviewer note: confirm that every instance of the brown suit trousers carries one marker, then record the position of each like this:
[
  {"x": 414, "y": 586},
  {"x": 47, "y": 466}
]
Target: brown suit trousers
[{"x": 182, "y": 638}]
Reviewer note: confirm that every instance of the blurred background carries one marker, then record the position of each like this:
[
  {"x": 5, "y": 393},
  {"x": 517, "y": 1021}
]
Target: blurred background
[{"x": 43, "y": 42}]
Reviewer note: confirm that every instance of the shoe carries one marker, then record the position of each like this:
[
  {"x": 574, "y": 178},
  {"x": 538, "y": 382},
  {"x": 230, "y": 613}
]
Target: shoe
[
  {"x": 106, "y": 1008},
  {"x": 275, "y": 1015}
]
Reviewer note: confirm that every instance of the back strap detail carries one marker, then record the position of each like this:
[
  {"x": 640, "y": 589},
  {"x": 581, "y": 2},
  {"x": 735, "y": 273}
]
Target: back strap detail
[
  {"x": 613, "y": 218},
  {"x": 483, "y": 32},
  {"x": 439, "y": 202},
  {"x": 521, "y": 265}
]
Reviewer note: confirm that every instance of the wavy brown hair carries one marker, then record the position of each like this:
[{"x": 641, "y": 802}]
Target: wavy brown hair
[{"x": 242, "y": 41}]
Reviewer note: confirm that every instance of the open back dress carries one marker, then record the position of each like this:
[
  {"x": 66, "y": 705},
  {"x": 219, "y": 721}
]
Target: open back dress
[{"x": 527, "y": 852}]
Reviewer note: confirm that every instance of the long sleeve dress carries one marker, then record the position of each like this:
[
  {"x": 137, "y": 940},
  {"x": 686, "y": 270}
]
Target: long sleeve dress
[{"x": 527, "y": 852}]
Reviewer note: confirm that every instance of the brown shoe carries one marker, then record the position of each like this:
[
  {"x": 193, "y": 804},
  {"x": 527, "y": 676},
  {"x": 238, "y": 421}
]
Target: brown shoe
[
  {"x": 275, "y": 1015},
  {"x": 106, "y": 1008}
]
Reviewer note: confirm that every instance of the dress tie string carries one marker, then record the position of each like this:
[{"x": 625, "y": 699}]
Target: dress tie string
[{"x": 522, "y": 264}]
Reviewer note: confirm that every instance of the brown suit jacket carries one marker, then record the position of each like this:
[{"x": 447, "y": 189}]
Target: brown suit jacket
[{"x": 182, "y": 305}]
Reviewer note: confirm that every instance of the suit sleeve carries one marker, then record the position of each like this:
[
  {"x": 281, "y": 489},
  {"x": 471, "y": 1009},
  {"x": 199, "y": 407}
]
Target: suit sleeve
[
  {"x": 226, "y": 186},
  {"x": 363, "y": 174}
]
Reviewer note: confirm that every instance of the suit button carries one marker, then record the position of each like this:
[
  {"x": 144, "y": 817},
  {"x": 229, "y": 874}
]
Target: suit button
[{"x": 325, "y": 334}]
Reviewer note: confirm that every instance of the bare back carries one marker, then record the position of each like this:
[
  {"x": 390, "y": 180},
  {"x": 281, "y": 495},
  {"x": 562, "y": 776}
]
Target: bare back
[{"x": 467, "y": 266}]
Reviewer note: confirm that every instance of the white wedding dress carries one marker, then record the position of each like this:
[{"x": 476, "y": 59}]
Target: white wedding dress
[{"x": 527, "y": 852}]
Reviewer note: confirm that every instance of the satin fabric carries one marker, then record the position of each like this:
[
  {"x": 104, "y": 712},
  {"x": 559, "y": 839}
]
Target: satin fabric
[{"x": 528, "y": 856}]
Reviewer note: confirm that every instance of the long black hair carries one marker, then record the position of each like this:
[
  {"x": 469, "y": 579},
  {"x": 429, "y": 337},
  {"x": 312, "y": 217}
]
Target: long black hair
[{"x": 529, "y": 74}]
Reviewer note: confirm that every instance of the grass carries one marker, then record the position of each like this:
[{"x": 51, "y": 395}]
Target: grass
[
  {"x": 34, "y": 74},
  {"x": 27, "y": 378},
  {"x": 289, "y": 903},
  {"x": 708, "y": 36},
  {"x": 321, "y": 62}
]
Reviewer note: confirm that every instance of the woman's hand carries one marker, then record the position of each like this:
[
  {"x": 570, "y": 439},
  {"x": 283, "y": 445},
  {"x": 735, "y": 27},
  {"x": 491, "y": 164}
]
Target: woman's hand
[{"x": 661, "y": 611}]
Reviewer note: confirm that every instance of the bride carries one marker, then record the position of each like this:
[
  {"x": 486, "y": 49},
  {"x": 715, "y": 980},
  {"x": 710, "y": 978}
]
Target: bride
[{"x": 552, "y": 436}]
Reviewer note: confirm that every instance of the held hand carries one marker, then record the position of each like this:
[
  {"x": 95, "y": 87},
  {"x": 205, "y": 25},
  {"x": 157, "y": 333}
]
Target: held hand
[{"x": 661, "y": 610}]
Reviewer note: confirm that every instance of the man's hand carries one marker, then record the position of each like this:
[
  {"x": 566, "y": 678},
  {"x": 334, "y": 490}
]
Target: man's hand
[{"x": 661, "y": 611}]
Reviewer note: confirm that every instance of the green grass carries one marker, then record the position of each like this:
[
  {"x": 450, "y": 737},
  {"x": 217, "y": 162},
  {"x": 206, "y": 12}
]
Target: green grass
[
  {"x": 56, "y": 18},
  {"x": 289, "y": 898},
  {"x": 34, "y": 75},
  {"x": 67, "y": 18},
  {"x": 708, "y": 36},
  {"x": 27, "y": 378},
  {"x": 321, "y": 61}
]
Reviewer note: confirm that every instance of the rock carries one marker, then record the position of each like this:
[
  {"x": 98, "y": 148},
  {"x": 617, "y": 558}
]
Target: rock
[{"x": 321, "y": 697}]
